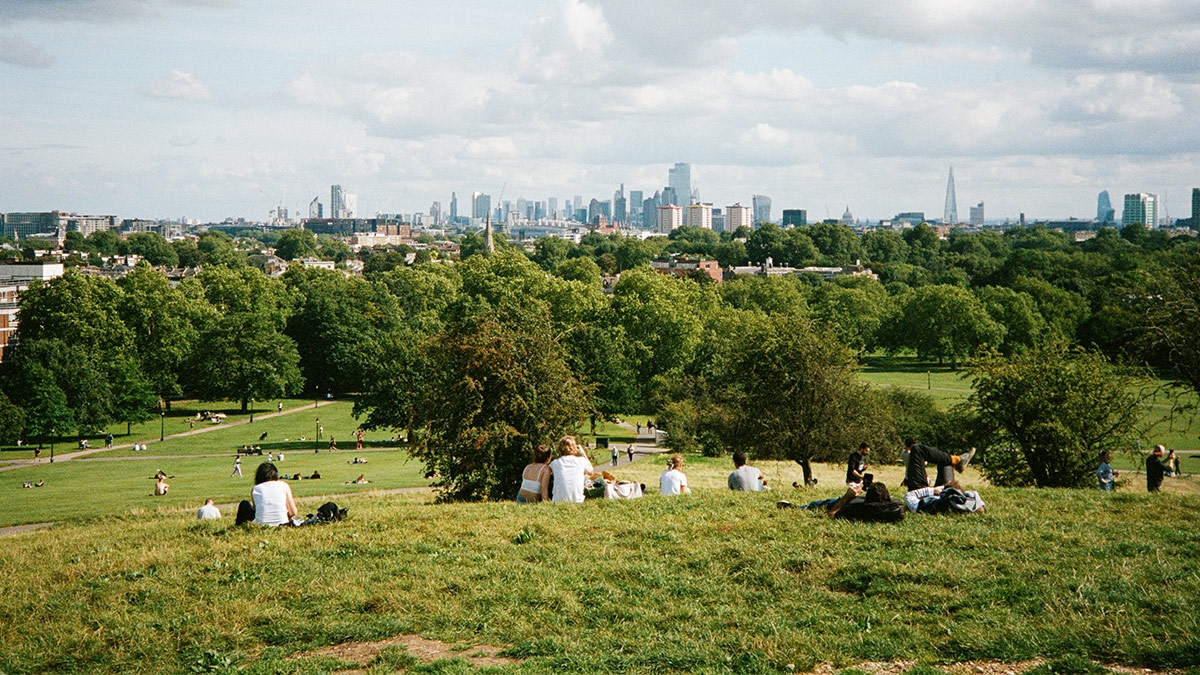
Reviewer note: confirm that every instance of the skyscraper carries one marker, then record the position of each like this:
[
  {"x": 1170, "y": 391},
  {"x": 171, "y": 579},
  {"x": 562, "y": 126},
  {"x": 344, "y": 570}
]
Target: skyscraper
[
  {"x": 698, "y": 215},
  {"x": 950, "y": 217},
  {"x": 1105, "y": 212},
  {"x": 762, "y": 209},
  {"x": 738, "y": 216},
  {"x": 454, "y": 208},
  {"x": 635, "y": 207},
  {"x": 680, "y": 179},
  {"x": 618, "y": 205},
  {"x": 977, "y": 215},
  {"x": 670, "y": 217},
  {"x": 337, "y": 201},
  {"x": 314, "y": 208},
  {"x": 795, "y": 217},
  {"x": 1196, "y": 208},
  {"x": 1140, "y": 209},
  {"x": 481, "y": 205}
]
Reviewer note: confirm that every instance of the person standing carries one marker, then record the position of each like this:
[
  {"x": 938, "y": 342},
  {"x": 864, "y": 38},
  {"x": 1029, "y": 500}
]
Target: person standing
[
  {"x": 1155, "y": 469},
  {"x": 279, "y": 408},
  {"x": 1105, "y": 474},
  {"x": 856, "y": 465},
  {"x": 744, "y": 478},
  {"x": 615, "y": 455},
  {"x": 629, "y": 451},
  {"x": 673, "y": 481},
  {"x": 237, "y": 468},
  {"x": 358, "y": 440}
]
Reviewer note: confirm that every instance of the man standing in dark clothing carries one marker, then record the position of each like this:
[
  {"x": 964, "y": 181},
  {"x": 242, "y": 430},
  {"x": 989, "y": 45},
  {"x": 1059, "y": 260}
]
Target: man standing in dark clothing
[
  {"x": 1155, "y": 469},
  {"x": 856, "y": 466},
  {"x": 919, "y": 455}
]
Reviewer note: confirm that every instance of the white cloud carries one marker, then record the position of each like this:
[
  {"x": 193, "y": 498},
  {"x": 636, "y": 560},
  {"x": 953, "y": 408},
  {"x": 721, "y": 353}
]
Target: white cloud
[
  {"x": 20, "y": 52},
  {"x": 567, "y": 41},
  {"x": 179, "y": 85}
]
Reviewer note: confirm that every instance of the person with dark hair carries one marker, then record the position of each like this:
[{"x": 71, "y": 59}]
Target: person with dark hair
[
  {"x": 744, "y": 478},
  {"x": 535, "y": 478},
  {"x": 874, "y": 505},
  {"x": 856, "y": 465},
  {"x": 271, "y": 502},
  {"x": 1155, "y": 469},
  {"x": 1105, "y": 474},
  {"x": 948, "y": 498},
  {"x": 919, "y": 455}
]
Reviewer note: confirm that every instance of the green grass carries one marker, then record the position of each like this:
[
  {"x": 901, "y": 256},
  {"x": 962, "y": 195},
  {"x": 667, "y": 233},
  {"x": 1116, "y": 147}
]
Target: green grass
[{"x": 715, "y": 582}]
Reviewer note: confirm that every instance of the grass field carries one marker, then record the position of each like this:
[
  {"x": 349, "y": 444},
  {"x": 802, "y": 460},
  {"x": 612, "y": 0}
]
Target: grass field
[{"x": 714, "y": 582}]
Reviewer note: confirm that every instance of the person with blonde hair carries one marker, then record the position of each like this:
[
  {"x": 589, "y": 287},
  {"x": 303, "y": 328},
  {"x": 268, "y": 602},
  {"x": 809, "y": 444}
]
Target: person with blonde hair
[
  {"x": 571, "y": 471},
  {"x": 672, "y": 481}
]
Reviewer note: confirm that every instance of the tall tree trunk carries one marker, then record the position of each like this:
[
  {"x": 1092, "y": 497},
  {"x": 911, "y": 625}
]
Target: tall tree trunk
[{"x": 807, "y": 466}]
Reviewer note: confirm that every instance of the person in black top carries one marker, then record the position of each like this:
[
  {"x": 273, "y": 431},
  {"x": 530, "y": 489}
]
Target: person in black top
[
  {"x": 856, "y": 465},
  {"x": 1155, "y": 469},
  {"x": 919, "y": 455}
]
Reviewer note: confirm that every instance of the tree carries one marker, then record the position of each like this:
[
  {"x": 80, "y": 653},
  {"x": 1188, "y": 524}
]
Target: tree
[
  {"x": 151, "y": 246},
  {"x": 633, "y": 253},
  {"x": 296, "y": 243},
  {"x": 217, "y": 249},
  {"x": 241, "y": 353},
  {"x": 187, "y": 251},
  {"x": 484, "y": 393},
  {"x": 942, "y": 322},
  {"x": 1017, "y": 312},
  {"x": 105, "y": 242},
  {"x": 12, "y": 420},
  {"x": 839, "y": 245},
  {"x": 1049, "y": 414},
  {"x": 1170, "y": 318},
  {"x": 161, "y": 319},
  {"x": 550, "y": 252},
  {"x": 854, "y": 314},
  {"x": 780, "y": 389},
  {"x": 583, "y": 270}
]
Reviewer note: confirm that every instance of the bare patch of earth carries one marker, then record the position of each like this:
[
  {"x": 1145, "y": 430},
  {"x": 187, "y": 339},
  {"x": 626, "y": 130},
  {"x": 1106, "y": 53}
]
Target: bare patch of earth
[{"x": 427, "y": 651}]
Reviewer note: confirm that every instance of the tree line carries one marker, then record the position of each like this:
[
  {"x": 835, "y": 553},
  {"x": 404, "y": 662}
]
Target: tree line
[{"x": 481, "y": 360}]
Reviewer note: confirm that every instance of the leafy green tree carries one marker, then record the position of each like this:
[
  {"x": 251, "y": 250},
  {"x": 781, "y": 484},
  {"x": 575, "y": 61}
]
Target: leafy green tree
[
  {"x": 48, "y": 415},
  {"x": 583, "y": 270},
  {"x": 884, "y": 246},
  {"x": 153, "y": 247},
  {"x": 335, "y": 250},
  {"x": 923, "y": 245},
  {"x": 942, "y": 322},
  {"x": 188, "y": 253},
  {"x": 75, "y": 241},
  {"x": 1169, "y": 318},
  {"x": 12, "y": 420},
  {"x": 781, "y": 389},
  {"x": 838, "y": 244},
  {"x": 217, "y": 249},
  {"x": 296, "y": 243},
  {"x": 484, "y": 394},
  {"x": 854, "y": 314},
  {"x": 550, "y": 252},
  {"x": 472, "y": 244},
  {"x": 633, "y": 253},
  {"x": 242, "y": 353},
  {"x": 773, "y": 295},
  {"x": 162, "y": 321},
  {"x": 1050, "y": 413},
  {"x": 1018, "y": 313},
  {"x": 105, "y": 242}
]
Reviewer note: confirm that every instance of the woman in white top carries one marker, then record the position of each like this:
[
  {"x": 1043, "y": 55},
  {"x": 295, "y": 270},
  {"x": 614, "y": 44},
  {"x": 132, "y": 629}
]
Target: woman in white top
[
  {"x": 672, "y": 481},
  {"x": 571, "y": 471},
  {"x": 535, "y": 479},
  {"x": 273, "y": 500}
]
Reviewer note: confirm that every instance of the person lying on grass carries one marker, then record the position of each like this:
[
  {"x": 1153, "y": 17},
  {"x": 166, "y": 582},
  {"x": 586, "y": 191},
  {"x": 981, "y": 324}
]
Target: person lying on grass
[
  {"x": 272, "y": 501},
  {"x": 918, "y": 455},
  {"x": 871, "y": 505},
  {"x": 948, "y": 498}
]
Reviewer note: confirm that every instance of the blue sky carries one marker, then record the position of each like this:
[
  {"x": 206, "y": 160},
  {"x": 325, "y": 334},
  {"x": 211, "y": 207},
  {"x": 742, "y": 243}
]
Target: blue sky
[{"x": 215, "y": 108}]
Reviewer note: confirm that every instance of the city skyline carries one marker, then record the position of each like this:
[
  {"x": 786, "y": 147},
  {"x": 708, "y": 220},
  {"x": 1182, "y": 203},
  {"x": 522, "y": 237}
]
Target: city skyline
[{"x": 217, "y": 108}]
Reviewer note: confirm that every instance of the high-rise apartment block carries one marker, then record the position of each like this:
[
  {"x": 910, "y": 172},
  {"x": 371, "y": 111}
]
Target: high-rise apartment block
[
  {"x": 977, "y": 215},
  {"x": 337, "y": 202},
  {"x": 636, "y": 198},
  {"x": 670, "y": 218},
  {"x": 1140, "y": 209},
  {"x": 679, "y": 179},
  {"x": 762, "y": 209},
  {"x": 481, "y": 205},
  {"x": 795, "y": 217},
  {"x": 453, "y": 207},
  {"x": 738, "y": 216},
  {"x": 699, "y": 215},
  {"x": 1196, "y": 208},
  {"x": 1105, "y": 212}
]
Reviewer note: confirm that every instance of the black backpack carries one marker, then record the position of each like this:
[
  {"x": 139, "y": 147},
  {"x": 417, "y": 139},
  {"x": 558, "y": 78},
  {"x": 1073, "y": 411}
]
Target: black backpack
[{"x": 330, "y": 513}]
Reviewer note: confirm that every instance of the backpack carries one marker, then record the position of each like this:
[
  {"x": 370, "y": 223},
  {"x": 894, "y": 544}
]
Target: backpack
[{"x": 330, "y": 513}]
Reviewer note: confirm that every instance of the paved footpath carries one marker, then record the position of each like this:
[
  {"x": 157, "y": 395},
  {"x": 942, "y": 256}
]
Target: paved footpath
[{"x": 77, "y": 454}]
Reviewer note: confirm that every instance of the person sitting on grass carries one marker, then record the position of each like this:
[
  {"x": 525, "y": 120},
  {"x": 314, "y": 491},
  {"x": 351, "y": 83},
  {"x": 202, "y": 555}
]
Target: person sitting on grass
[
  {"x": 572, "y": 471},
  {"x": 535, "y": 478},
  {"x": 361, "y": 480},
  {"x": 856, "y": 464},
  {"x": 744, "y": 478},
  {"x": 271, "y": 501},
  {"x": 161, "y": 487},
  {"x": 948, "y": 498},
  {"x": 672, "y": 481},
  {"x": 209, "y": 511},
  {"x": 919, "y": 455}
]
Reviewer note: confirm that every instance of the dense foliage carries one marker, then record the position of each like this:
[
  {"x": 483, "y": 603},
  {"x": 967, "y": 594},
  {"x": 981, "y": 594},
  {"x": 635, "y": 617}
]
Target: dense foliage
[{"x": 92, "y": 351}]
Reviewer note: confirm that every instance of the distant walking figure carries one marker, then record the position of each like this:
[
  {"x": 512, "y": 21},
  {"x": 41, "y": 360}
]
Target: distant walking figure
[
  {"x": 279, "y": 408},
  {"x": 237, "y": 468}
]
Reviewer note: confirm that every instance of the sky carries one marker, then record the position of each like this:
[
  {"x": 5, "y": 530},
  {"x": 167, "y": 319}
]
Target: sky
[{"x": 227, "y": 108}]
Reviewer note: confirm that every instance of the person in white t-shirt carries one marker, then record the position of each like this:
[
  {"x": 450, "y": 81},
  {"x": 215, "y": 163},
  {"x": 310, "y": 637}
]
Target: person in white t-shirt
[
  {"x": 273, "y": 503},
  {"x": 208, "y": 511},
  {"x": 672, "y": 481},
  {"x": 572, "y": 471}
]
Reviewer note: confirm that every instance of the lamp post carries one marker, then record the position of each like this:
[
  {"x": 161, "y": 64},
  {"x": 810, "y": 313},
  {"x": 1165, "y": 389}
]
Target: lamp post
[
  {"x": 316, "y": 442},
  {"x": 162, "y": 425},
  {"x": 252, "y": 411}
]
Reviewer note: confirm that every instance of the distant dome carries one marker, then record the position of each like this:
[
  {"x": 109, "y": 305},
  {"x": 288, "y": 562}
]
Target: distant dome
[{"x": 847, "y": 217}]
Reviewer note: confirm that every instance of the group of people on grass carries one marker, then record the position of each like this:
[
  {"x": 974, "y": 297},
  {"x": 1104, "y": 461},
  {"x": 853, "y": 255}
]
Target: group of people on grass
[{"x": 1159, "y": 464}]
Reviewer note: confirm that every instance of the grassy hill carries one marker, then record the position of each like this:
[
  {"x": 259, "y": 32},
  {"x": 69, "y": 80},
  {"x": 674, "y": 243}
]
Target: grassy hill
[{"x": 714, "y": 582}]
